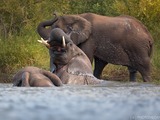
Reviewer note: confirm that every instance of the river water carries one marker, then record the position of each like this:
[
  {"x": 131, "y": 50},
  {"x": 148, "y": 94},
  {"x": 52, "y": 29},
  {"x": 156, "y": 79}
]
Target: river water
[{"x": 131, "y": 101}]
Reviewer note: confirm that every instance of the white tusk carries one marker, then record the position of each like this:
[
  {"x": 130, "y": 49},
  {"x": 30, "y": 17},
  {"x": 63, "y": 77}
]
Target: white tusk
[
  {"x": 63, "y": 40},
  {"x": 44, "y": 42}
]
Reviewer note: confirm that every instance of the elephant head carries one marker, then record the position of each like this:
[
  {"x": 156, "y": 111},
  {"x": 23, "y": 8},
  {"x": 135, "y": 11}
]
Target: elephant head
[
  {"x": 78, "y": 28},
  {"x": 62, "y": 47}
]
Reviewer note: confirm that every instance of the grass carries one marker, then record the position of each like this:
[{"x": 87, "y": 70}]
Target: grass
[
  {"x": 120, "y": 73},
  {"x": 19, "y": 52}
]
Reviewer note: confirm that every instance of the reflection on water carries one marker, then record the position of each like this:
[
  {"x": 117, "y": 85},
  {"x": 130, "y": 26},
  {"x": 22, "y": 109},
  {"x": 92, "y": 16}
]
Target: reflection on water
[{"x": 122, "y": 101}]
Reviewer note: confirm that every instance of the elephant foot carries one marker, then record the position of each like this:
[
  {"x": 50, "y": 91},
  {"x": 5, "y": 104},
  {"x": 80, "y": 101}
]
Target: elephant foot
[
  {"x": 132, "y": 77},
  {"x": 132, "y": 74},
  {"x": 145, "y": 73},
  {"x": 99, "y": 66},
  {"x": 147, "y": 79}
]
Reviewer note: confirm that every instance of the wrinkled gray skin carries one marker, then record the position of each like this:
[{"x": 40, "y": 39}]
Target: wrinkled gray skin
[
  {"x": 35, "y": 77},
  {"x": 121, "y": 40},
  {"x": 72, "y": 64}
]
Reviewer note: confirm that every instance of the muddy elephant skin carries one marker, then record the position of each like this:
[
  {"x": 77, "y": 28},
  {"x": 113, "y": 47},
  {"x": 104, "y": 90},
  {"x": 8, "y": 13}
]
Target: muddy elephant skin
[
  {"x": 121, "y": 40},
  {"x": 35, "y": 77}
]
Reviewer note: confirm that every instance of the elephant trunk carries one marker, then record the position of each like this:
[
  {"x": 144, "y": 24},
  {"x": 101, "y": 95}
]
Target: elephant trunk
[{"x": 43, "y": 31}]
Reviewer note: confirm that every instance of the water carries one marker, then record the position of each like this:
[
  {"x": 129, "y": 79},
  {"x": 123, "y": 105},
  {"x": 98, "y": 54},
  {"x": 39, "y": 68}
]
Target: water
[{"x": 129, "y": 101}]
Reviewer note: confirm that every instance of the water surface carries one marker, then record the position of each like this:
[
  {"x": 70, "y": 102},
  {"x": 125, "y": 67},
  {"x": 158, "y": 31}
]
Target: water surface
[{"x": 127, "y": 101}]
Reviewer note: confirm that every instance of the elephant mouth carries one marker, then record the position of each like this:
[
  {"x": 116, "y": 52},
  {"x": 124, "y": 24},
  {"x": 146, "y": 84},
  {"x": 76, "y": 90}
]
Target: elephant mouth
[{"x": 58, "y": 50}]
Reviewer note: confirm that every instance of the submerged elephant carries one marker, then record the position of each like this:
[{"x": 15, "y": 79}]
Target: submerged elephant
[
  {"x": 35, "y": 77},
  {"x": 121, "y": 40},
  {"x": 72, "y": 64}
]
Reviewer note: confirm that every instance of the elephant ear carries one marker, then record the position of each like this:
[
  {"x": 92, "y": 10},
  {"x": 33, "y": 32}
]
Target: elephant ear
[{"x": 80, "y": 30}]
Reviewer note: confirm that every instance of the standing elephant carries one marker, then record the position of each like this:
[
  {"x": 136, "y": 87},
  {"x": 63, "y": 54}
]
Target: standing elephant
[
  {"x": 35, "y": 77},
  {"x": 121, "y": 40}
]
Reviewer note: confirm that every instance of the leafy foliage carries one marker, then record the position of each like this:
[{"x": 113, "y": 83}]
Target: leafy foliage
[
  {"x": 26, "y": 14},
  {"x": 147, "y": 11}
]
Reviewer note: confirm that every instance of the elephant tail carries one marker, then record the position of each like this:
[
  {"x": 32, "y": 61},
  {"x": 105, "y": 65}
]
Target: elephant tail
[
  {"x": 150, "y": 51},
  {"x": 150, "y": 44}
]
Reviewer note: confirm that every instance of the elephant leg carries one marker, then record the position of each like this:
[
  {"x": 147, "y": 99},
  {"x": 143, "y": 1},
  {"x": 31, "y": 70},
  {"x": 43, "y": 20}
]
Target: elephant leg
[
  {"x": 17, "y": 81},
  {"x": 53, "y": 77},
  {"x": 145, "y": 72},
  {"x": 25, "y": 79},
  {"x": 99, "y": 65},
  {"x": 132, "y": 74},
  {"x": 145, "y": 75},
  {"x": 52, "y": 65}
]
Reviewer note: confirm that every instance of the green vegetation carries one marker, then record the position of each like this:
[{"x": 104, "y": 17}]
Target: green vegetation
[{"x": 19, "y": 19}]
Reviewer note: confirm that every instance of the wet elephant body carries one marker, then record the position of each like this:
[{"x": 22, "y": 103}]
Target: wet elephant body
[
  {"x": 72, "y": 64},
  {"x": 35, "y": 77},
  {"x": 121, "y": 40}
]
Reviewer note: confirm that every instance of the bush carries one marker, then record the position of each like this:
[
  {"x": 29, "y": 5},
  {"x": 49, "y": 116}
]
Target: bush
[
  {"x": 146, "y": 11},
  {"x": 20, "y": 52}
]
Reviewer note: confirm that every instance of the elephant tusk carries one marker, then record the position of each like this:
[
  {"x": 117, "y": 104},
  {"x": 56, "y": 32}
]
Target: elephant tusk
[
  {"x": 63, "y": 40},
  {"x": 44, "y": 42}
]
